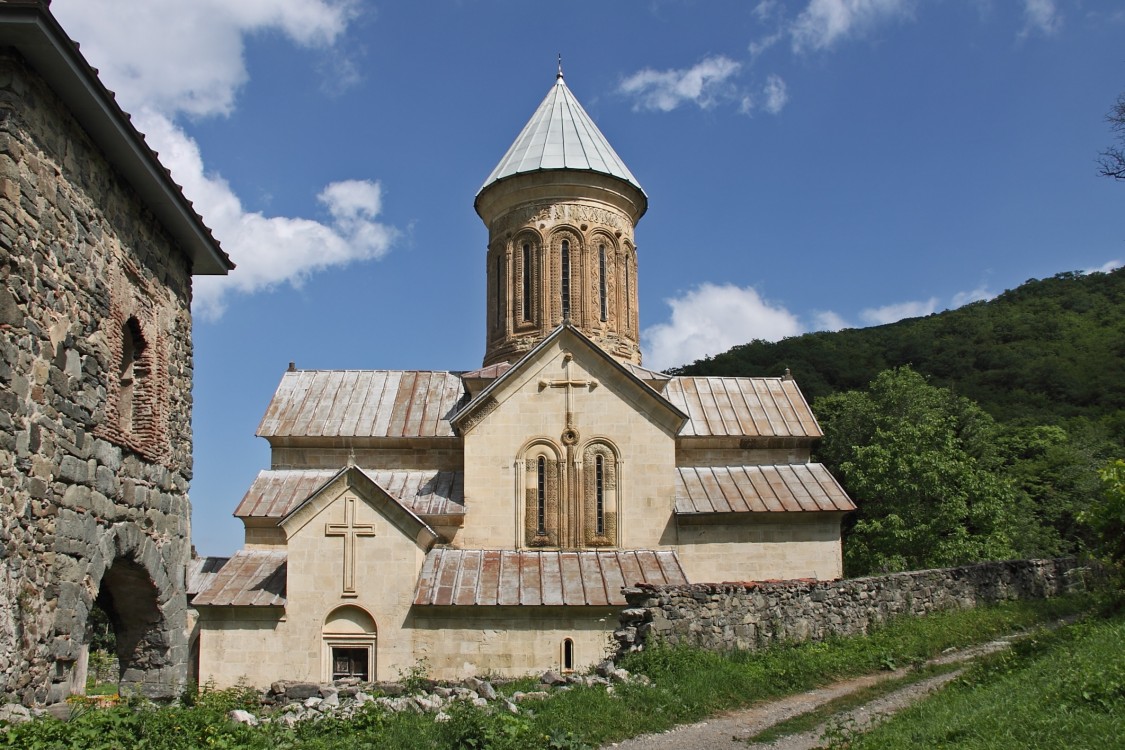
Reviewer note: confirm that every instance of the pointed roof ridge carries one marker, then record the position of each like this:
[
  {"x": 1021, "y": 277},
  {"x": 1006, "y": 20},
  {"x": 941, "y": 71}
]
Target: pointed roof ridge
[{"x": 560, "y": 135}]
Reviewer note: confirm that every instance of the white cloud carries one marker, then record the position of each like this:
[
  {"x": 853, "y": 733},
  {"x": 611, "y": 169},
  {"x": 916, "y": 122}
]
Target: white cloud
[
  {"x": 176, "y": 56},
  {"x": 759, "y": 46},
  {"x": 890, "y": 313},
  {"x": 664, "y": 90},
  {"x": 979, "y": 294},
  {"x": 712, "y": 318},
  {"x": 269, "y": 251},
  {"x": 1106, "y": 267},
  {"x": 824, "y": 22},
  {"x": 826, "y": 320},
  {"x": 777, "y": 95},
  {"x": 1041, "y": 16},
  {"x": 766, "y": 9},
  {"x": 168, "y": 58}
]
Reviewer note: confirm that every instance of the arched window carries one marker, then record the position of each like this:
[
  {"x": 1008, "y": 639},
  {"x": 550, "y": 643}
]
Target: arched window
[
  {"x": 541, "y": 487},
  {"x": 541, "y": 498},
  {"x": 565, "y": 277},
  {"x": 499, "y": 312},
  {"x": 628, "y": 300},
  {"x": 131, "y": 384},
  {"x": 599, "y": 493},
  {"x": 526, "y": 281},
  {"x": 601, "y": 283},
  {"x": 568, "y": 655}
]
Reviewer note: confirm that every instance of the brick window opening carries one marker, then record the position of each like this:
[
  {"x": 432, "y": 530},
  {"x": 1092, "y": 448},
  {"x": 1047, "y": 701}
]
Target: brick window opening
[{"x": 133, "y": 380}]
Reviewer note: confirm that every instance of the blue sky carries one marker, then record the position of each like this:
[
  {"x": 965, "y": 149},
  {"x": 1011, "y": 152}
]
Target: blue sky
[{"x": 810, "y": 164}]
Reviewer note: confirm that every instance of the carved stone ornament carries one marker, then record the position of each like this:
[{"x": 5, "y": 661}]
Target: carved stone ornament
[
  {"x": 486, "y": 407},
  {"x": 570, "y": 436}
]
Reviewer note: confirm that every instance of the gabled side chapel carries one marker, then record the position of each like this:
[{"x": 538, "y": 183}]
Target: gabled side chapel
[{"x": 487, "y": 521}]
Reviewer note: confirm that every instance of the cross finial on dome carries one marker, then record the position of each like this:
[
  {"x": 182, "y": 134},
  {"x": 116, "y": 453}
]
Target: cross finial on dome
[{"x": 560, "y": 75}]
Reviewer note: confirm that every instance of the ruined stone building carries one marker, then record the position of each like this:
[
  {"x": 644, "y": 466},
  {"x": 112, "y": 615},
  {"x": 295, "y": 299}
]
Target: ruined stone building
[
  {"x": 486, "y": 521},
  {"x": 97, "y": 249}
]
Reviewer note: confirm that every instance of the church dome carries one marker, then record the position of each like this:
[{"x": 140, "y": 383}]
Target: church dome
[{"x": 560, "y": 136}]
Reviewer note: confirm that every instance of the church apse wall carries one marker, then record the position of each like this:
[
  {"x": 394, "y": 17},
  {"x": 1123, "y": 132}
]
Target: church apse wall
[{"x": 95, "y": 428}]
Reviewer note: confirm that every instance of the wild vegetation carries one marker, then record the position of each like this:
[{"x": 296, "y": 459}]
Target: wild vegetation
[
  {"x": 1060, "y": 689},
  {"x": 972, "y": 434},
  {"x": 687, "y": 685}
]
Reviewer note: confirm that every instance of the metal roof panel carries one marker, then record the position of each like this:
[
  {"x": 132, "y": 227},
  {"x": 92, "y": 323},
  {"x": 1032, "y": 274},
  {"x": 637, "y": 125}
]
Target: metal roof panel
[
  {"x": 761, "y": 489},
  {"x": 742, "y": 407},
  {"x": 540, "y": 577},
  {"x": 560, "y": 135},
  {"x": 251, "y": 578}
]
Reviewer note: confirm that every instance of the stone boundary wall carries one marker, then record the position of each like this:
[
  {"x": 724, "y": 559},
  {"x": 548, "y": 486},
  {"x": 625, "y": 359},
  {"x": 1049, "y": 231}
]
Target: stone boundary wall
[{"x": 749, "y": 616}]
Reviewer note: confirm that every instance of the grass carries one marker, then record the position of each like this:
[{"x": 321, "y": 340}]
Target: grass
[
  {"x": 1064, "y": 689},
  {"x": 688, "y": 685}
]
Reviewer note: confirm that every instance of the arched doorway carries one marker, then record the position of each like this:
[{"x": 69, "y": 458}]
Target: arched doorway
[
  {"x": 349, "y": 645},
  {"x": 128, "y": 598}
]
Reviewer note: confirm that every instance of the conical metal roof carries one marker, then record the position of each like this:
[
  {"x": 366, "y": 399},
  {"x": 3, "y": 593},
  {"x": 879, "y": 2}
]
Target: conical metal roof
[{"x": 560, "y": 135}]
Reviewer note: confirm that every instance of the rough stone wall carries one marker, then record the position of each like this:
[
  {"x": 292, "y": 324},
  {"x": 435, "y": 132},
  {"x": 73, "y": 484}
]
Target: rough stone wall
[
  {"x": 749, "y": 616},
  {"x": 94, "y": 460}
]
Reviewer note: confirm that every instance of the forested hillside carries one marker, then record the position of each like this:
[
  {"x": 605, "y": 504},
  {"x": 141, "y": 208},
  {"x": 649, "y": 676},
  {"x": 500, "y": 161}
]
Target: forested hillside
[
  {"x": 1043, "y": 352},
  {"x": 971, "y": 434}
]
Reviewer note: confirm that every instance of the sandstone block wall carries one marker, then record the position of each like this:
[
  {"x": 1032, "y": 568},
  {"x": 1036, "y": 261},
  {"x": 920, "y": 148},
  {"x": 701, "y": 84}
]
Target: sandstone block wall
[
  {"x": 749, "y": 616},
  {"x": 94, "y": 462}
]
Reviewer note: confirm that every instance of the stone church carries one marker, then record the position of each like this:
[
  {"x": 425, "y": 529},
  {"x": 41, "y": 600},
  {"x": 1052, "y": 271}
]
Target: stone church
[
  {"x": 487, "y": 521},
  {"x": 98, "y": 247}
]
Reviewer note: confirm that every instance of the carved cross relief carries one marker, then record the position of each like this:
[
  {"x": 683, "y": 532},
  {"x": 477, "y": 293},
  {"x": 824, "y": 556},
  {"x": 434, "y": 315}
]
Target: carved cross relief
[
  {"x": 569, "y": 509},
  {"x": 566, "y": 384},
  {"x": 350, "y": 531}
]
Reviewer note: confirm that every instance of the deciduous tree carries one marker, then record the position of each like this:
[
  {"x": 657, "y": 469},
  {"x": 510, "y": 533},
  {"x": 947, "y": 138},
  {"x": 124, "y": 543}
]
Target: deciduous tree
[
  {"x": 1112, "y": 161},
  {"x": 922, "y": 467}
]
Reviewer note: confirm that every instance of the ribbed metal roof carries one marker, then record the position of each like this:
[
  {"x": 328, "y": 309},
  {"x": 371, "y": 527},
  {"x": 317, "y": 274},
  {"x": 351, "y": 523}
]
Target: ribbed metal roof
[
  {"x": 759, "y": 489},
  {"x": 747, "y": 407},
  {"x": 560, "y": 135},
  {"x": 363, "y": 403},
  {"x": 475, "y": 577},
  {"x": 252, "y": 578},
  {"x": 276, "y": 492},
  {"x": 200, "y": 572}
]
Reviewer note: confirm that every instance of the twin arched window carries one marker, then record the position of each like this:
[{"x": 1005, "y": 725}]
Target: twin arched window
[{"x": 589, "y": 517}]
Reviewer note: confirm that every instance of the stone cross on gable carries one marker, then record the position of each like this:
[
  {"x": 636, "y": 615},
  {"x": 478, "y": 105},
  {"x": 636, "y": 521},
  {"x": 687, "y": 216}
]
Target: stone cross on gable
[
  {"x": 567, "y": 383},
  {"x": 351, "y": 531}
]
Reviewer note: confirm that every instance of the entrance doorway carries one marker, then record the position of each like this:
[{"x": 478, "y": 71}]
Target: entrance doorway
[
  {"x": 349, "y": 645},
  {"x": 350, "y": 662}
]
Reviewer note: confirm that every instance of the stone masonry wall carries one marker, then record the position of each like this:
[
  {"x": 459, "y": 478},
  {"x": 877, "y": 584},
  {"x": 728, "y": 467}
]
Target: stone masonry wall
[
  {"x": 749, "y": 616},
  {"x": 95, "y": 408}
]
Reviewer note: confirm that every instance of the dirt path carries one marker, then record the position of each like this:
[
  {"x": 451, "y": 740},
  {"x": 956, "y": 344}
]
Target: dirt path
[{"x": 730, "y": 731}]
